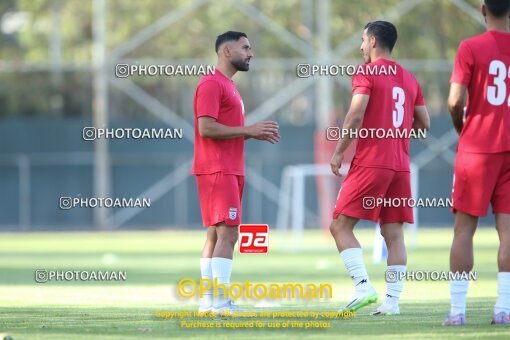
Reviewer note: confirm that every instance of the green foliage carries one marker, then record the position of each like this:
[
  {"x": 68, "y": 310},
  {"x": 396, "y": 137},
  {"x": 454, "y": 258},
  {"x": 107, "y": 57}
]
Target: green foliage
[{"x": 431, "y": 30}]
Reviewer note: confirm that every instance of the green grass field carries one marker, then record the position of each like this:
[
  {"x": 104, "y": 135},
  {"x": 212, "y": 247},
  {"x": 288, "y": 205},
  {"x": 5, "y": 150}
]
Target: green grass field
[{"x": 156, "y": 261}]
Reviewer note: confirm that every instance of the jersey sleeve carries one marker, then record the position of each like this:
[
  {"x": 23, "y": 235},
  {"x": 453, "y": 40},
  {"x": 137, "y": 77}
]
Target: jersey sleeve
[
  {"x": 361, "y": 84},
  {"x": 419, "y": 101},
  {"x": 208, "y": 99},
  {"x": 463, "y": 65}
]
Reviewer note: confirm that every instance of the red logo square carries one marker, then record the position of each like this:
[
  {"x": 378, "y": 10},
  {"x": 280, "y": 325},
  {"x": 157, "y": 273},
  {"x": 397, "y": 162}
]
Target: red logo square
[{"x": 253, "y": 238}]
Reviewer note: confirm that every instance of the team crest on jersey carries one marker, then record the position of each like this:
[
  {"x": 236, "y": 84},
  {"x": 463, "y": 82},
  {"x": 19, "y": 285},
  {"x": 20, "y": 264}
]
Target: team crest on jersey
[{"x": 232, "y": 213}]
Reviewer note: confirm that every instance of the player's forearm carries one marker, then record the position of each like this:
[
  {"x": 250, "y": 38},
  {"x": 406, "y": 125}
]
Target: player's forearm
[
  {"x": 458, "y": 124},
  {"x": 219, "y": 131},
  {"x": 419, "y": 126},
  {"x": 457, "y": 114},
  {"x": 352, "y": 123},
  {"x": 342, "y": 145},
  {"x": 456, "y": 102},
  {"x": 421, "y": 119}
]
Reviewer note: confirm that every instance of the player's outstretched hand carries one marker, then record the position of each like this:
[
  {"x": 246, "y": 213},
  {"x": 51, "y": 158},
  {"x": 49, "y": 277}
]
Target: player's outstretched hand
[
  {"x": 336, "y": 163},
  {"x": 274, "y": 138},
  {"x": 267, "y": 131}
]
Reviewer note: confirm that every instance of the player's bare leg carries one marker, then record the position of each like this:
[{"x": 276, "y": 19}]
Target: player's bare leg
[
  {"x": 461, "y": 254},
  {"x": 342, "y": 231},
  {"x": 461, "y": 260},
  {"x": 503, "y": 228},
  {"x": 502, "y": 307},
  {"x": 350, "y": 251},
  {"x": 206, "y": 301},
  {"x": 210, "y": 242},
  {"x": 222, "y": 266},
  {"x": 226, "y": 241},
  {"x": 393, "y": 234}
]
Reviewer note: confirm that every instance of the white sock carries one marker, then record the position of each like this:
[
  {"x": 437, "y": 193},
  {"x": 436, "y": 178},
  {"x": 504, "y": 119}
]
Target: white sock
[
  {"x": 394, "y": 289},
  {"x": 206, "y": 273},
  {"x": 503, "y": 302},
  {"x": 458, "y": 293},
  {"x": 221, "y": 270},
  {"x": 353, "y": 260}
]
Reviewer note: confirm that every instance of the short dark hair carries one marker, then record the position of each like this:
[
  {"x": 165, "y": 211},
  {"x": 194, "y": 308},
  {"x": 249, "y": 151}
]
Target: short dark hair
[
  {"x": 498, "y": 8},
  {"x": 385, "y": 33},
  {"x": 228, "y": 36}
]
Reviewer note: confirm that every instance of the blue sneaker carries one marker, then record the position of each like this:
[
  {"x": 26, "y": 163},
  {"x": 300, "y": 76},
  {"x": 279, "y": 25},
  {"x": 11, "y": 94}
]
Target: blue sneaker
[
  {"x": 501, "y": 318},
  {"x": 455, "y": 320}
]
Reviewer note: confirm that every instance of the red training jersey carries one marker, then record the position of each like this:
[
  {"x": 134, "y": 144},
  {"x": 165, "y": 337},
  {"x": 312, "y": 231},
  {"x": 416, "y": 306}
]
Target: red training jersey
[
  {"x": 393, "y": 96},
  {"x": 482, "y": 64},
  {"x": 216, "y": 96}
]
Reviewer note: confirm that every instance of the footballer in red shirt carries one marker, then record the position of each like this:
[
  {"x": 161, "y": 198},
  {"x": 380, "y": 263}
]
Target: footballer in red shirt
[
  {"x": 380, "y": 168},
  {"x": 479, "y": 103},
  {"x": 219, "y": 161}
]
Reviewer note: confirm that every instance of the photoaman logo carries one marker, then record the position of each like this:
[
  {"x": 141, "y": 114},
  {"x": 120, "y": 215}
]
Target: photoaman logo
[{"x": 253, "y": 238}]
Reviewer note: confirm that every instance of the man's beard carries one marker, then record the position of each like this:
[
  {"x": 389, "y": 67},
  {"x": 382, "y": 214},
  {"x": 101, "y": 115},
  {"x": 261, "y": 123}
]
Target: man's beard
[
  {"x": 366, "y": 58},
  {"x": 240, "y": 65}
]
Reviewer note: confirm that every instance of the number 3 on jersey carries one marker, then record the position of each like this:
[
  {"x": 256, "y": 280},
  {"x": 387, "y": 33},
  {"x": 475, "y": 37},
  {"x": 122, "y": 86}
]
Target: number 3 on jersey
[
  {"x": 497, "y": 93},
  {"x": 399, "y": 97}
]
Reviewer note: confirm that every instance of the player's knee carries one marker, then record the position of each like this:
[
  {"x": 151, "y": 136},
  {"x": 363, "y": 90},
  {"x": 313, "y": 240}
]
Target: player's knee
[
  {"x": 503, "y": 231},
  {"x": 211, "y": 241},
  {"x": 463, "y": 230},
  {"x": 392, "y": 238},
  {"x": 394, "y": 242},
  {"x": 233, "y": 240},
  {"x": 384, "y": 233},
  {"x": 230, "y": 235},
  {"x": 336, "y": 227},
  {"x": 212, "y": 237},
  {"x": 333, "y": 229}
]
